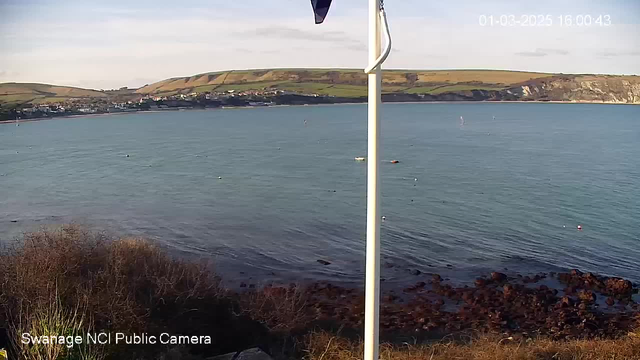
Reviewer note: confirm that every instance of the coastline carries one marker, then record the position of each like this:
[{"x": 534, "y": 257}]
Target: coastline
[
  {"x": 302, "y": 105},
  {"x": 580, "y": 307}
]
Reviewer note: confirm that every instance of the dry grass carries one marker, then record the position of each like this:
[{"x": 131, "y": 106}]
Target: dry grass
[
  {"x": 127, "y": 285},
  {"x": 121, "y": 281},
  {"x": 53, "y": 320},
  {"x": 280, "y": 309},
  {"x": 324, "y": 346}
]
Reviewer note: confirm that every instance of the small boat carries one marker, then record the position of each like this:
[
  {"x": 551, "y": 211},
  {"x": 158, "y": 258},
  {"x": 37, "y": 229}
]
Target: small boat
[
  {"x": 360, "y": 159},
  {"x": 394, "y": 161}
]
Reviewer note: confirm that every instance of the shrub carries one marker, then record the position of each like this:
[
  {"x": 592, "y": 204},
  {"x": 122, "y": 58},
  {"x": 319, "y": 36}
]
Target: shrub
[{"x": 65, "y": 279}]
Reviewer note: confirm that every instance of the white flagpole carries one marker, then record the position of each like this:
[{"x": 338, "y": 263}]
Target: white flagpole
[{"x": 372, "y": 290}]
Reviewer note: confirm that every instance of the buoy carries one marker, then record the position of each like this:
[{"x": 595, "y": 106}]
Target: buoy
[
  {"x": 219, "y": 177},
  {"x": 127, "y": 155},
  {"x": 415, "y": 179},
  {"x": 384, "y": 218},
  {"x": 579, "y": 227}
]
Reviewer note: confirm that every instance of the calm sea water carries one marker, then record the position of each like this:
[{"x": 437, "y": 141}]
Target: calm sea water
[{"x": 506, "y": 189}]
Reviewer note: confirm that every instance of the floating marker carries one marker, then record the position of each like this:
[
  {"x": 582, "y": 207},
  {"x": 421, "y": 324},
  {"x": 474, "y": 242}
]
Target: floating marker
[{"x": 579, "y": 227}]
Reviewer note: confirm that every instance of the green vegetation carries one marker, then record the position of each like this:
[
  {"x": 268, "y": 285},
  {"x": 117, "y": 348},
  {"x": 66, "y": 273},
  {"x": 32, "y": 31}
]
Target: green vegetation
[
  {"x": 459, "y": 88},
  {"x": 351, "y": 83},
  {"x": 342, "y": 82},
  {"x": 20, "y": 93}
]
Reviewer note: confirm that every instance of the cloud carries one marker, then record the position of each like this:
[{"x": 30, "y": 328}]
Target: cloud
[
  {"x": 539, "y": 52},
  {"x": 251, "y": 51},
  {"x": 288, "y": 33},
  {"x": 531, "y": 53},
  {"x": 613, "y": 53},
  {"x": 554, "y": 51}
]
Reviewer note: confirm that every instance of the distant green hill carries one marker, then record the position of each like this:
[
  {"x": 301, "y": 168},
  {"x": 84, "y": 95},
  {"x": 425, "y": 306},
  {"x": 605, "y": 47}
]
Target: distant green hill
[
  {"x": 398, "y": 85},
  {"x": 342, "y": 83},
  {"x": 21, "y": 93}
]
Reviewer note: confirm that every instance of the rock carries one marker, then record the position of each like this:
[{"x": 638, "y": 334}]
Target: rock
[
  {"x": 610, "y": 301},
  {"x": 324, "y": 262},
  {"x": 569, "y": 290},
  {"x": 249, "y": 354},
  {"x": 566, "y": 301},
  {"x": 172, "y": 354},
  {"x": 507, "y": 290},
  {"x": 576, "y": 272},
  {"x": 498, "y": 276},
  {"x": 389, "y": 298},
  {"x": 253, "y": 354},
  {"x": 587, "y": 296},
  {"x": 617, "y": 286},
  {"x": 229, "y": 356},
  {"x": 436, "y": 278},
  {"x": 480, "y": 282},
  {"x": 416, "y": 272}
]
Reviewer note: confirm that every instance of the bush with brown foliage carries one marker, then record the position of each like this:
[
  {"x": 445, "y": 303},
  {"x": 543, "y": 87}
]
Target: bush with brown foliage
[
  {"x": 126, "y": 285},
  {"x": 325, "y": 346},
  {"x": 281, "y": 309}
]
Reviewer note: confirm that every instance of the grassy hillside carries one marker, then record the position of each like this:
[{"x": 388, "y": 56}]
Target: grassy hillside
[
  {"x": 344, "y": 83},
  {"x": 20, "y": 93},
  {"x": 401, "y": 85}
]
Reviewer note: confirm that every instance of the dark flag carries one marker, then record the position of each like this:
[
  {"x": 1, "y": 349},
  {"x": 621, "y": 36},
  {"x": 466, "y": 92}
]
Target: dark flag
[{"x": 320, "y": 8}]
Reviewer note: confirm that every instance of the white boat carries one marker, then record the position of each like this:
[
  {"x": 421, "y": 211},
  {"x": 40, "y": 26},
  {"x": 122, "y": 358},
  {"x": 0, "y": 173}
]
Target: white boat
[{"x": 360, "y": 159}]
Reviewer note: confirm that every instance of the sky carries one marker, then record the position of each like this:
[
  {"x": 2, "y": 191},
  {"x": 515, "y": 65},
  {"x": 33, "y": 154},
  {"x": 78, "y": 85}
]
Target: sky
[{"x": 115, "y": 43}]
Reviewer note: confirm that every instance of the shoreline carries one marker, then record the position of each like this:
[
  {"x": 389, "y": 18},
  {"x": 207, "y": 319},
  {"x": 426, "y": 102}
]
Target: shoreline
[
  {"x": 79, "y": 264},
  {"x": 302, "y": 105}
]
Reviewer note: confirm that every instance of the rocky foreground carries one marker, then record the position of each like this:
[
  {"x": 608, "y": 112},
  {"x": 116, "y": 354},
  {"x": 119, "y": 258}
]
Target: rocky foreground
[
  {"x": 561, "y": 306},
  {"x": 70, "y": 280}
]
